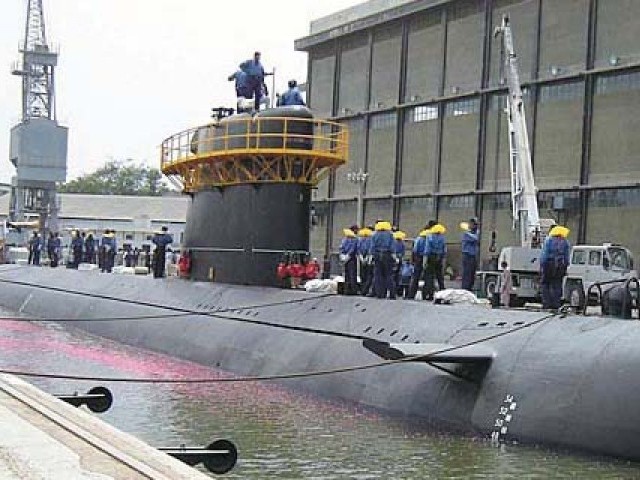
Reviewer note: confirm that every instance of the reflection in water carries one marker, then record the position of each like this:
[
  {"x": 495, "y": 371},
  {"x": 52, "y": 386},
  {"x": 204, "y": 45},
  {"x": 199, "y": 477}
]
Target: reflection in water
[{"x": 279, "y": 434}]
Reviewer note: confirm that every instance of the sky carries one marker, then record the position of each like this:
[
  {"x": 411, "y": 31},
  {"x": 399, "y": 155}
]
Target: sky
[{"x": 133, "y": 72}]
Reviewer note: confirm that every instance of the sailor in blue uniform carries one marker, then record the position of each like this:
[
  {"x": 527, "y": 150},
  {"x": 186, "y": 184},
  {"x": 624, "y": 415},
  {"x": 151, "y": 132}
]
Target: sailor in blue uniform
[
  {"x": 554, "y": 260},
  {"x": 366, "y": 260},
  {"x": 89, "y": 249},
  {"x": 254, "y": 71},
  {"x": 435, "y": 249},
  {"x": 161, "y": 240},
  {"x": 398, "y": 256},
  {"x": 241, "y": 84},
  {"x": 108, "y": 248},
  {"x": 35, "y": 246},
  {"x": 382, "y": 248},
  {"x": 76, "y": 248},
  {"x": 292, "y": 96},
  {"x": 470, "y": 249},
  {"x": 348, "y": 256}
]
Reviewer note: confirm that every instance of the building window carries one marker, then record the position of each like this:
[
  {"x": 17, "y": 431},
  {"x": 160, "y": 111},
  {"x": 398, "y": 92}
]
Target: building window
[
  {"x": 618, "y": 83},
  {"x": 383, "y": 120},
  {"x": 558, "y": 201},
  {"x": 458, "y": 202},
  {"x": 424, "y": 113},
  {"x": 465, "y": 106},
  {"x": 561, "y": 92},
  {"x": 615, "y": 198},
  {"x": 128, "y": 236}
]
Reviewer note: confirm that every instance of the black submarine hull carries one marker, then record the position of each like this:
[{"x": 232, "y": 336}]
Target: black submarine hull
[{"x": 572, "y": 382}]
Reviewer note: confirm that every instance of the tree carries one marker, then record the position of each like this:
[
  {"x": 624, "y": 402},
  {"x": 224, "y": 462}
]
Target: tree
[{"x": 119, "y": 178}]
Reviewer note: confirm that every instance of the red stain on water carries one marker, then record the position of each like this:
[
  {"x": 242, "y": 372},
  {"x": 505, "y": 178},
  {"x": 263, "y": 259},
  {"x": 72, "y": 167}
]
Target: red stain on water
[{"x": 138, "y": 363}]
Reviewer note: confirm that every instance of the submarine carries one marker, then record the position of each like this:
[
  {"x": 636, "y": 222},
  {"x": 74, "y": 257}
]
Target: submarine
[{"x": 556, "y": 379}]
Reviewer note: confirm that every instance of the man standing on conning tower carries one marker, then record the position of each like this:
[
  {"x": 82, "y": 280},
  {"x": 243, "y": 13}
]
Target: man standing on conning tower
[{"x": 254, "y": 71}]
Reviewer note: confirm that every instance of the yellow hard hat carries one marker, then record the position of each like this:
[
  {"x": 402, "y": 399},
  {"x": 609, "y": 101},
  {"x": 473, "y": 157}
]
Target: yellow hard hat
[
  {"x": 399, "y": 235},
  {"x": 383, "y": 226},
  {"x": 438, "y": 228},
  {"x": 347, "y": 232},
  {"x": 424, "y": 232},
  {"x": 559, "y": 231},
  {"x": 365, "y": 232},
  {"x": 464, "y": 226}
]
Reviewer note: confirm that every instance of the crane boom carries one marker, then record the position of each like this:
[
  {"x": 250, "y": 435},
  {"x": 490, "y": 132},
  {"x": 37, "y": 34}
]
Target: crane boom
[{"x": 523, "y": 190}]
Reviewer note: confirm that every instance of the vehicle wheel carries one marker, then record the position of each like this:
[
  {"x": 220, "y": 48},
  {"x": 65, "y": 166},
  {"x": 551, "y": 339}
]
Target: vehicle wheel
[
  {"x": 518, "y": 302},
  {"x": 575, "y": 296},
  {"x": 490, "y": 286}
]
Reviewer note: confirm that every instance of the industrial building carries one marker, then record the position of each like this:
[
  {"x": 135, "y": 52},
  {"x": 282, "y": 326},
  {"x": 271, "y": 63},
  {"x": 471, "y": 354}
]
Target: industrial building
[
  {"x": 418, "y": 82},
  {"x": 134, "y": 218}
]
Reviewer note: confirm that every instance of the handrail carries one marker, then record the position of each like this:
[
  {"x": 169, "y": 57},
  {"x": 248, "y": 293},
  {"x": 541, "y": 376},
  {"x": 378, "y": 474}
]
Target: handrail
[{"x": 318, "y": 138}]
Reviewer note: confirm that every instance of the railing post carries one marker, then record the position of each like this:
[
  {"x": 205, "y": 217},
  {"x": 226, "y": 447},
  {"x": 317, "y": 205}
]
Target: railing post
[{"x": 284, "y": 139}]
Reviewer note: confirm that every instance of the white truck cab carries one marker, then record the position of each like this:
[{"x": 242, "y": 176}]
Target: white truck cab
[{"x": 593, "y": 264}]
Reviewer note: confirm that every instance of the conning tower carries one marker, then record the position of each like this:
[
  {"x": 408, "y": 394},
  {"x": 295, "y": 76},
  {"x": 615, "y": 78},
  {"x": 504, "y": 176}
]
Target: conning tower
[{"x": 250, "y": 180}]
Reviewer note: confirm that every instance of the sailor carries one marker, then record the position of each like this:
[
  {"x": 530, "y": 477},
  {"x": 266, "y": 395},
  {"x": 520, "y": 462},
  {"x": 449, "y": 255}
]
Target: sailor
[
  {"x": 57, "y": 249},
  {"x": 89, "y": 249},
  {"x": 398, "y": 256},
  {"x": 161, "y": 240},
  {"x": 76, "y": 248},
  {"x": 554, "y": 260},
  {"x": 254, "y": 71},
  {"x": 349, "y": 257},
  {"x": 108, "y": 250},
  {"x": 406, "y": 273},
  {"x": 417, "y": 259},
  {"x": 382, "y": 248},
  {"x": 366, "y": 260},
  {"x": 292, "y": 96},
  {"x": 470, "y": 249},
  {"x": 434, "y": 252},
  {"x": 50, "y": 248},
  {"x": 241, "y": 84},
  {"x": 35, "y": 247}
]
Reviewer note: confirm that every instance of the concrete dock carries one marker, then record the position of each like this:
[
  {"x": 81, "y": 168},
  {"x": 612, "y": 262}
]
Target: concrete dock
[{"x": 45, "y": 438}]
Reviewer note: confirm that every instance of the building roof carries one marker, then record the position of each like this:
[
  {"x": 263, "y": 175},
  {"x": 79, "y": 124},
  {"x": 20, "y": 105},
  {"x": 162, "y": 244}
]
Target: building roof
[
  {"x": 360, "y": 17},
  {"x": 117, "y": 207}
]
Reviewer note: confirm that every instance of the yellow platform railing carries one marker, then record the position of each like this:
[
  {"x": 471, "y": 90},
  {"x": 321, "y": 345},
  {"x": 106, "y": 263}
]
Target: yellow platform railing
[{"x": 325, "y": 141}]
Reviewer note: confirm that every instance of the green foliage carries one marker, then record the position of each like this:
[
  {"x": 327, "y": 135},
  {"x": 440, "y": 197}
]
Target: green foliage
[{"x": 119, "y": 178}]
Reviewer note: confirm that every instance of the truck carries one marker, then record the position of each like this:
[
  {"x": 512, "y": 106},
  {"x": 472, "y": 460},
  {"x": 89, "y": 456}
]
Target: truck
[
  {"x": 589, "y": 264},
  {"x": 603, "y": 264}
]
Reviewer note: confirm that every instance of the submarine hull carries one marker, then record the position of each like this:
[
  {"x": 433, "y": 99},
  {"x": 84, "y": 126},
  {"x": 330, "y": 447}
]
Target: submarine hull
[
  {"x": 239, "y": 234},
  {"x": 571, "y": 382}
]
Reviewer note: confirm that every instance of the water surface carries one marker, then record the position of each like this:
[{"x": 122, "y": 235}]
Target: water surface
[{"x": 279, "y": 434}]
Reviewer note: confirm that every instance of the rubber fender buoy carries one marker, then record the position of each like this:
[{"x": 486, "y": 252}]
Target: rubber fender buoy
[
  {"x": 222, "y": 463},
  {"x": 100, "y": 404}
]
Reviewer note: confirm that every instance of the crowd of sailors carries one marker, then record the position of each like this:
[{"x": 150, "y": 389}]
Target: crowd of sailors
[
  {"x": 103, "y": 251},
  {"x": 386, "y": 271}
]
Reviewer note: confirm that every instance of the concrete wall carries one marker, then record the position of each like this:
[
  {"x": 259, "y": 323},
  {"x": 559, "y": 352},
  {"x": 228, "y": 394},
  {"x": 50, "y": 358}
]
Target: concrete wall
[{"x": 421, "y": 93}]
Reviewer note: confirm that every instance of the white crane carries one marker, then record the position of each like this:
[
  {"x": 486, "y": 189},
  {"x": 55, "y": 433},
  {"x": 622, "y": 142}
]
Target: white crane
[{"x": 524, "y": 200}]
